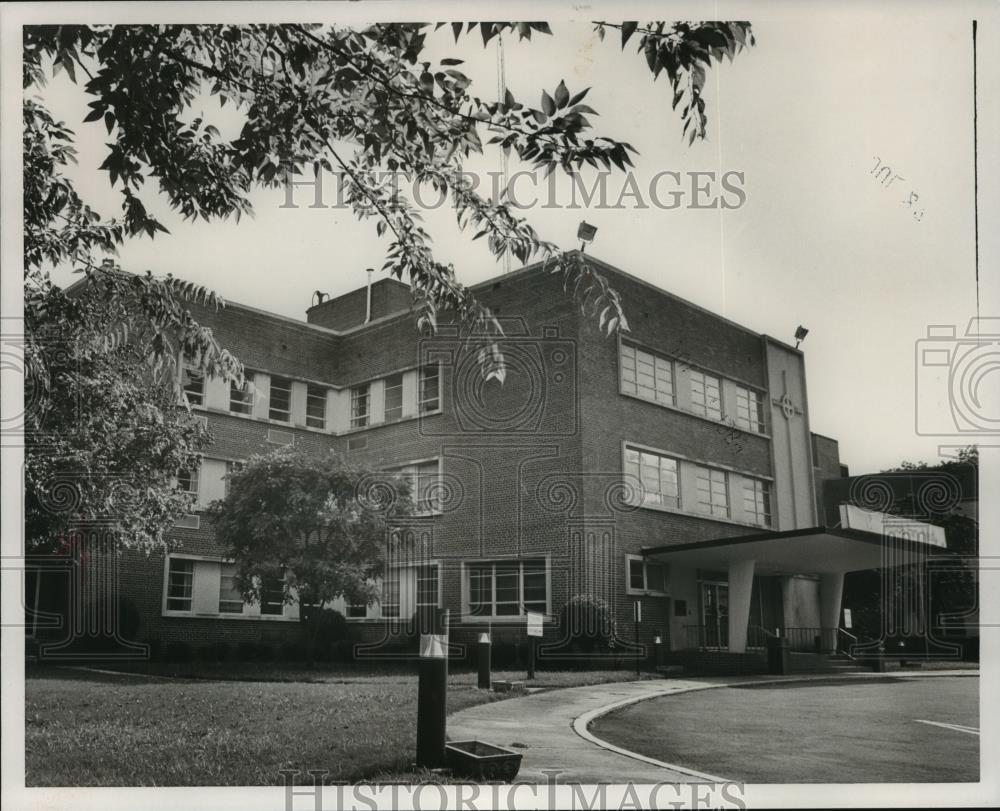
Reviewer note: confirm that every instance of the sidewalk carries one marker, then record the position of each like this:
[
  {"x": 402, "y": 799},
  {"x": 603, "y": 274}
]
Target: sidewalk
[
  {"x": 549, "y": 728},
  {"x": 540, "y": 726}
]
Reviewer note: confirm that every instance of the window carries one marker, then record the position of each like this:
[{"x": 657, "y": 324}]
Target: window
[
  {"x": 180, "y": 584},
  {"x": 646, "y": 576},
  {"x": 280, "y": 406},
  {"x": 705, "y": 398},
  {"x": 194, "y": 386},
  {"x": 427, "y": 586},
  {"x": 424, "y": 490},
  {"x": 357, "y": 610},
  {"x": 241, "y": 397},
  {"x": 393, "y": 397},
  {"x": 507, "y": 588},
  {"x": 390, "y": 593},
  {"x": 646, "y": 375},
  {"x": 231, "y": 468},
  {"x": 658, "y": 475},
  {"x": 230, "y": 599},
  {"x": 713, "y": 491},
  {"x": 757, "y": 502},
  {"x": 430, "y": 389},
  {"x": 187, "y": 481},
  {"x": 272, "y": 597},
  {"x": 750, "y": 409},
  {"x": 359, "y": 406},
  {"x": 315, "y": 406}
]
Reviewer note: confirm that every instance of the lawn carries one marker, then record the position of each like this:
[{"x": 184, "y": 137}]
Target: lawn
[{"x": 91, "y": 729}]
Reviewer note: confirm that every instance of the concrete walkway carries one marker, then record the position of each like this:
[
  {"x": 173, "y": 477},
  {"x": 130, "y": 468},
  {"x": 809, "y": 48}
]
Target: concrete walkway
[
  {"x": 549, "y": 728},
  {"x": 541, "y": 727}
]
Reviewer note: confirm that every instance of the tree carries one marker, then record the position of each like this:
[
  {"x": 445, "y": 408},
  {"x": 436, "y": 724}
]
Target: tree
[
  {"x": 317, "y": 97},
  {"x": 106, "y": 437},
  {"x": 313, "y": 524}
]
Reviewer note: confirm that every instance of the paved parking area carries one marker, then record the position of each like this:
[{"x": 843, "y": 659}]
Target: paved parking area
[{"x": 876, "y": 730}]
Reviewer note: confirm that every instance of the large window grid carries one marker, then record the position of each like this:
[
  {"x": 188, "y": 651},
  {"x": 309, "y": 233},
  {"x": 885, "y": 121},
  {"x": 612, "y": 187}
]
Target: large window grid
[
  {"x": 393, "y": 397},
  {"x": 646, "y": 576},
  {"x": 427, "y": 586},
  {"x": 241, "y": 397},
  {"x": 647, "y": 375},
  {"x": 315, "y": 406},
  {"x": 180, "y": 584},
  {"x": 187, "y": 481},
  {"x": 230, "y": 599},
  {"x": 706, "y": 398},
  {"x": 424, "y": 484},
  {"x": 280, "y": 401},
  {"x": 658, "y": 475},
  {"x": 194, "y": 386},
  {"x": 430, "y": 389},
  {"x": 749, "y": 409},
  {"x": 272, "y": 597},
  {"x": 359, "y": 406},
  {"x": 713, "y": 491},
  {"x": 757, "y": 502},
  {"x": 507, "y": 588},
  {"x": 390, "y": 593}
]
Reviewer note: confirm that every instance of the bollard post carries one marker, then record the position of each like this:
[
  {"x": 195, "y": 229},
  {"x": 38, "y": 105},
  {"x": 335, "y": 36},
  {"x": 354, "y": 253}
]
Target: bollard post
[
  {"x": 484, "y": 654},
  {"x": 432, "y": 692},
  {"x": 657, "y": 653},
  {"x": 531, "y": 657}
]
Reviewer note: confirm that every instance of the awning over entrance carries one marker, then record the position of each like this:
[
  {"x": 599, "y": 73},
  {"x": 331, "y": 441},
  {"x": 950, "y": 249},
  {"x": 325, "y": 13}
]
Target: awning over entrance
[
  {"x": 828, "y": 552},
  {"x": 818, "y": 550}
]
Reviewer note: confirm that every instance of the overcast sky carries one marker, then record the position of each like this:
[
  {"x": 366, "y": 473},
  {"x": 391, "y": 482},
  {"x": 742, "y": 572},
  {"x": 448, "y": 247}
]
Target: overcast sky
[{"x": 819, "y": 242}]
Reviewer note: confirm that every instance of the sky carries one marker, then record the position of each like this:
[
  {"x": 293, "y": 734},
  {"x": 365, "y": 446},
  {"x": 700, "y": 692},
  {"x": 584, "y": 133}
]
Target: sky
[{"x": 806, "y": 115}]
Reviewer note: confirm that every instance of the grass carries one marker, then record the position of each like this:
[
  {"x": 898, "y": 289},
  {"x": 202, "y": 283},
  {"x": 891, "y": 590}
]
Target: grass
[{"x": 90, "y": 729}]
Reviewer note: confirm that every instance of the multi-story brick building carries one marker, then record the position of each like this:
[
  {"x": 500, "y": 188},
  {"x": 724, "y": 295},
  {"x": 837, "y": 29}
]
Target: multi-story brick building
[{"x": 670, "y": 467}]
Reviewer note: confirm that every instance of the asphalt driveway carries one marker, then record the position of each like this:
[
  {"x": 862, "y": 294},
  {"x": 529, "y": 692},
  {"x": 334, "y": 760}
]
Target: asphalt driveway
[{"x": 849, "y": 731}]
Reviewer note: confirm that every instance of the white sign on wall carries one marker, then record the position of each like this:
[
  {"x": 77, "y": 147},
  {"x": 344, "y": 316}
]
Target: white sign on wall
[
  {"x": 535, "y": 623},
  {"x": 891, "y": 526}
]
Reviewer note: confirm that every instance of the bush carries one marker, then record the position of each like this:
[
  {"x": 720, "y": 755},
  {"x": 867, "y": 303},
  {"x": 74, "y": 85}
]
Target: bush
[
  {"x": 586, "y": 625},
  {"x": 177, "y": 652},
  {"x": 324, "y": 628}
]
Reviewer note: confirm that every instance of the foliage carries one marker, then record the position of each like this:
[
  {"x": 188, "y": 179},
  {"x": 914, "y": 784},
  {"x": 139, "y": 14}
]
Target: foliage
[
  {"x": 105, "y": 443},
  {"x": 320, "y": 97},
  {"x": 312, "y": 522}
]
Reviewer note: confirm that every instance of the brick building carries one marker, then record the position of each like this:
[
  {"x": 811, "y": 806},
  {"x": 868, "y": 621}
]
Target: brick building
[{"x": 672, "y": 467}]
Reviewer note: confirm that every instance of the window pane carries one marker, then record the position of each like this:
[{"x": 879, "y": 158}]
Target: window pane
[
  {"x": 481, "y": 590},
  {"x": 240, "y": 397},
  {"x": 230, "y": 599},
  {"x": 655, "y": 580},
  {"x": 713, "y": 492},
  {"x": 180, "y": 584},
  {"x": 635, "y": 576},
  {"x": 272, "y": 598},
  {"x": 534, "y": 585},
  {"x": 359, "y": 406},
  {"x": 705, "y": 395},
  {"x": 393, "y": 397},
  {"x": 427, "y": 585},
  {"x": 315, "y": 406},
  {"x": 280, "y": 404},
  {"x": 194, "y": 386},
  {"x": 430, "y": 389},
  {"x": 390, "y": 594}
]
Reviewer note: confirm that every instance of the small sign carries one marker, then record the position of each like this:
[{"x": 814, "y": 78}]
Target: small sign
[
  {"x": 535, "y": 623},
  {"x": 847, "y": 618},
  {"x": 638, "y": 611}
]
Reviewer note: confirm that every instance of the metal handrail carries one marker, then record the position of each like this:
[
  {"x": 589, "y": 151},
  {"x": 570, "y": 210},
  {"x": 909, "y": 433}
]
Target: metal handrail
[{"x": 847, "y": 650}]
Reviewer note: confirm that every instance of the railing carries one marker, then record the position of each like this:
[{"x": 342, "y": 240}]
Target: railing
[
  {"x": 700, "y": 636},
  {"x": 846, "y": 643}
]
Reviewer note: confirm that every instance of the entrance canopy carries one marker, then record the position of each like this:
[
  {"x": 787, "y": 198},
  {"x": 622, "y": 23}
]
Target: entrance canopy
[{"x": 864, "y": 540}]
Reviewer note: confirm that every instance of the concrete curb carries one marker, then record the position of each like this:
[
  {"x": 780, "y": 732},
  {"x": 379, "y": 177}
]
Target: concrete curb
[{"x": 581, "y": 723}]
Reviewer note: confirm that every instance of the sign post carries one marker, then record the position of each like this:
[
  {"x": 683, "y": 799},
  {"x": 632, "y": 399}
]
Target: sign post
[
  {"x": 484, "y": 653},
  {"x": 535, "y": 630},
  {"x": 432, "y": 693}
]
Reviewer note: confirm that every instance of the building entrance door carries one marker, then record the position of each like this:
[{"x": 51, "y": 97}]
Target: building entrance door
[{"x": 715, "y": 615}]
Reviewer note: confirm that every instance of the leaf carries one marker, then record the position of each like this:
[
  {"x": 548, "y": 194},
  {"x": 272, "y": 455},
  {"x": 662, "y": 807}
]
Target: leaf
[
  {"x": 452, "y": 61},
  {"x": 628, "y": 28},
  {"x": 562, "y": 95},
  {"x": 548, "y": 105}
]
